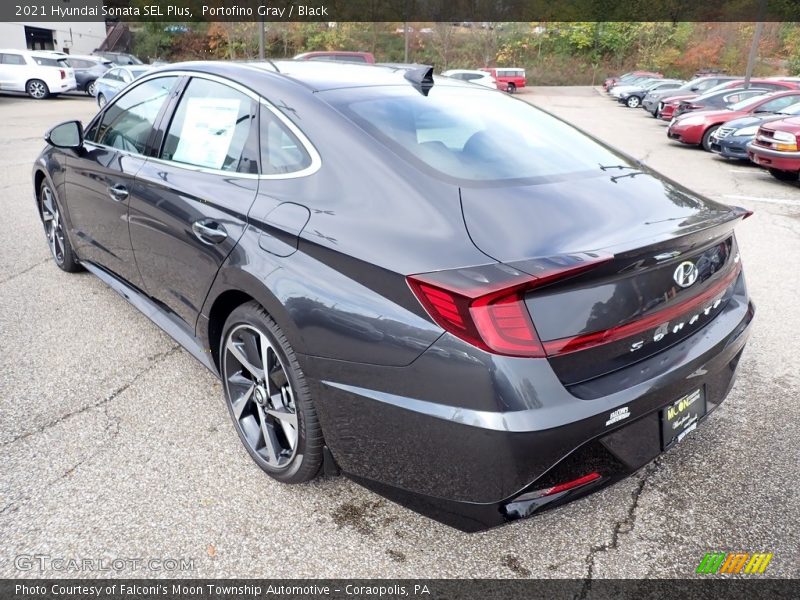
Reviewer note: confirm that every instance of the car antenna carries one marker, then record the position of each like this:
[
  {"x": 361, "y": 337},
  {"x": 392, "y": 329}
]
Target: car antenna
[
  {"x": 274, "y": 66},
  {"x": 421, "y": 78}
]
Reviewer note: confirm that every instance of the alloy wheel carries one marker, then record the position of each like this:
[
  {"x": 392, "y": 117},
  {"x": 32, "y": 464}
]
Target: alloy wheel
[
  {"x": 261, "y": 397},
  {"x": 90, "y": 89},
  {"x": 37, "y": 89},
  {"x": 52, "y": 225},
  {"x": 101, "y": 101}
]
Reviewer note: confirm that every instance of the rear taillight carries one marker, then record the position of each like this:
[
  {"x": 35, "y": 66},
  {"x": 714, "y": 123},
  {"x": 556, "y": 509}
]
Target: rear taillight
[
  {"x": 63, "y": 73},
  {"x": 485, "y": 306}
]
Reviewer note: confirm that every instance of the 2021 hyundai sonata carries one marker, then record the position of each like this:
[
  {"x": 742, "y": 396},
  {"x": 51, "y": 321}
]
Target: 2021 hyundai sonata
[{"x": 389, "y": 288}]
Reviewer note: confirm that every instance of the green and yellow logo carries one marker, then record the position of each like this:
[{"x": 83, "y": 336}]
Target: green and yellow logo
[{"x": 734, "y": 562}]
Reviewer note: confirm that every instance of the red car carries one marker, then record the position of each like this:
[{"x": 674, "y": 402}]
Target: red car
[
  {"x": 775, "y": 148},
  {"x": 338, "y": 55},
  {"x": 697, "y": 127},
  {"x": 612, "y": 81},
  {"x": 672, "y": 102},
  {"x": 509, "y": 79}
]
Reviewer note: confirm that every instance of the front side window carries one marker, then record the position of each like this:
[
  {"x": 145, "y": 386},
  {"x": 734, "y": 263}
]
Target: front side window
[
  {"x": 128, "y": 122},
  {"x": 211, "y": 127}
]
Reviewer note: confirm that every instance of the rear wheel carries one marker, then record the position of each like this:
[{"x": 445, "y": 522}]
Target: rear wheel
[
  {"x": 268, "y": 397},
  {"x": 511, "y": 88},
  {"x": 57, "y": 240},
  {"x": 633, "y": 101},
  {"x": 37, "y": 89},
  {"x": 90, "y": 88},
  {"x": 706, "y": 141},
  {"x": 785, "y": 175}
]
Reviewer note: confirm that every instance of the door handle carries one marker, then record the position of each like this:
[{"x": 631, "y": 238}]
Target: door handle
[
  {"x": 118, "y": 192},
  {"x": 209, "y": 232}
]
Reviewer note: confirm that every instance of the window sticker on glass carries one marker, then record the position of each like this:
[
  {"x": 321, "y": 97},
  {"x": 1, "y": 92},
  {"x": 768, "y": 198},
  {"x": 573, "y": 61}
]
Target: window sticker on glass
[{"x": 207, "y": 131}]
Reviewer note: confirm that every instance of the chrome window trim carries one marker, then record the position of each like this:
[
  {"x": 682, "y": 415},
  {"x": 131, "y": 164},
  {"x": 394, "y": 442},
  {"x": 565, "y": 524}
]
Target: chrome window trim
[{"x": 316, "y": 160}]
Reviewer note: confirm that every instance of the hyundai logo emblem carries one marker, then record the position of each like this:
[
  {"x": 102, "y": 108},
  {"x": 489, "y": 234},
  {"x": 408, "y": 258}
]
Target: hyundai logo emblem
[{"x": 686, "y": 274}]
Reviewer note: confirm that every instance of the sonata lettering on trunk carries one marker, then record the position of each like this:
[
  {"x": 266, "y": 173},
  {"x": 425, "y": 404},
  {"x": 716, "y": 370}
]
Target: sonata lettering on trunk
[{"x": 669, "y": 327}]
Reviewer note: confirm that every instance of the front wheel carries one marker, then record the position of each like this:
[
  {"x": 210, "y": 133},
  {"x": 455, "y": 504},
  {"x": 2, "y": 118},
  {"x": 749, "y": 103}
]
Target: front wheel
[
  {"x": 511, "y": 88},
  {"x": 101, "y": 101},
  {"x": 633, "y": 101},
  {"x": 268, "y": 397},
  {"x": 57, "y": 240},
  {"x": 37, "y": 89},
  {"x": 706, "y": 141},
  {"x": 785, "y": 175}
]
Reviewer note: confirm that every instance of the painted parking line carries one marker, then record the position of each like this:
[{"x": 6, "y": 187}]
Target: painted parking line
[{"x": 784, "y": 201}]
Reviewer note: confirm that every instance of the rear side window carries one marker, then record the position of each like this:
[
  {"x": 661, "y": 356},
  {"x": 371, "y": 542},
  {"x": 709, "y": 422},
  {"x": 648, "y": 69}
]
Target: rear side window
[
  {"x": 13, "y": 59},
  {"x": 48, "y": 62},
  {"x": 281, "y": 151},
  {"x": 128, "y": 122},
  {"x": 211, "y": 127}
]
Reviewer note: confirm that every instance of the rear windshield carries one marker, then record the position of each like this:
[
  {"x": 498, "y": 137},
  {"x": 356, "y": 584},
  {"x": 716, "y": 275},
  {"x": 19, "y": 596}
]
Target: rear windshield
[{"x": 472, "y": 135}]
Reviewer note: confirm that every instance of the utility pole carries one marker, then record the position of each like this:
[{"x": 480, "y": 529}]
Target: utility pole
[
  {"x": 261, "y": 38},
  {"x": 405, "y": 41},
  {"x": 751, "y": 58}
]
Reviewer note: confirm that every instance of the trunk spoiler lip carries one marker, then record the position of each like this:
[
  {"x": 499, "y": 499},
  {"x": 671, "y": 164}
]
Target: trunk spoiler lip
[{"x": 704, "y": 233}]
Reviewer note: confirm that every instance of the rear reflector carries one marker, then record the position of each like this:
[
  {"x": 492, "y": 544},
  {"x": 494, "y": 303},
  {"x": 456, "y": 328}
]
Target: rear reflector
[
  {"x": 485, "y": 306},
  {"x": 561, "y": 487}
]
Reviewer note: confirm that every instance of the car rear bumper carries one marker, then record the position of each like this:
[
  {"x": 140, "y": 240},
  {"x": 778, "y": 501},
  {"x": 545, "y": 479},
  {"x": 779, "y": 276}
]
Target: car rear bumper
[
  {"x": 459, "y": 435},
  {"x": 774, "y": 159}
]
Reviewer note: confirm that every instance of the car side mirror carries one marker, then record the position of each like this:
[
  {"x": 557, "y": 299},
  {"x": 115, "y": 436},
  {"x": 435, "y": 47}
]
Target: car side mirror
[
  {"x": 694, "y": 89},
  {"x": 66, "y": 135}
]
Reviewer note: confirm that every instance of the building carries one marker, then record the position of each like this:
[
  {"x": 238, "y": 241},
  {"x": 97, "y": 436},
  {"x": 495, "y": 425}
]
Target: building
[{"x": 74, "y": 38}]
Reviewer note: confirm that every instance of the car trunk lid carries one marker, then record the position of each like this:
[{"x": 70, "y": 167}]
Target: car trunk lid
[{"x": 670, "y": 261}]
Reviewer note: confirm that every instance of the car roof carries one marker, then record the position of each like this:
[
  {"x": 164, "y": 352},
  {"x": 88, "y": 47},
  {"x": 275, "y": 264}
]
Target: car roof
[
  {"x": 317, "y": 76},
  {"x": 39, "y": 53}
]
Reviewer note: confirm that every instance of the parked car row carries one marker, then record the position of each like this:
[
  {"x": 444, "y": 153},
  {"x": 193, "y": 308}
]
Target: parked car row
[
  {"x": 758, "y": 121},
  {"x": 45, "y": 73}
]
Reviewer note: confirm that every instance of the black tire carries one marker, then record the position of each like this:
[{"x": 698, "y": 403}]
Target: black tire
[
  {"x": 785, "y": 175},
  {"x": 633, "y": 101},
  {"x": 706, "y": 141},
  {"x": 90, "y": 89},
  {"x": 101, "y": 101},
  {"x": 37, "y": 89},
  {"x": 287, "y": 454},
  {"x": 511, "y": 88},
  {"x": 657, "y": 112},
  {"x": 57, "y": 239}
]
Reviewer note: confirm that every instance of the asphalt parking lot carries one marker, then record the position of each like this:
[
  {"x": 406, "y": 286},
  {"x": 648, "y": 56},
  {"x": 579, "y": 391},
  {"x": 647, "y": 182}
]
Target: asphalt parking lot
[{"x": 117, "y": 444}]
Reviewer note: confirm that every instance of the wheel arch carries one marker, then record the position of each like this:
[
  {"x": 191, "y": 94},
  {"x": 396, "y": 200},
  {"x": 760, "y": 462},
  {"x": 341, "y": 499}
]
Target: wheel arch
[{"x": 232, "y": 288}]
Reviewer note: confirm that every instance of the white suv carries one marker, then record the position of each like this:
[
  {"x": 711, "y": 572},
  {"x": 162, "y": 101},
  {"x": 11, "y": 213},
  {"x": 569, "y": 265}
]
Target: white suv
[
  {"x": 39, "y": 74},
  {"x": 479, "y": 77}
]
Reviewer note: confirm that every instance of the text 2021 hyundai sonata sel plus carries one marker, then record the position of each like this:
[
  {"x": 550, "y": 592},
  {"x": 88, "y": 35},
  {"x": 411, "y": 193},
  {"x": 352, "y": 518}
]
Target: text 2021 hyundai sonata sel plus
[{"x": 445, "y": 293}]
